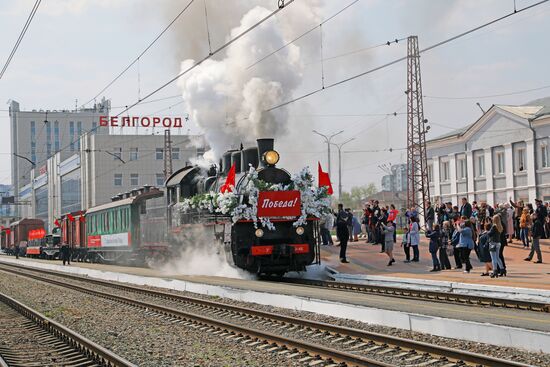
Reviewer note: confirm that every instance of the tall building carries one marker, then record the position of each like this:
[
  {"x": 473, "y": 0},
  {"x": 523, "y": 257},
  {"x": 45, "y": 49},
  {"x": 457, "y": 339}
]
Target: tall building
[
  {"x": 397, "y": 180},
  {"x": 6, "y": 204},
  {"x": 104, "y": 166},
  {"x": 38, "y": 135},
  {"x": 502, "y": 155}
]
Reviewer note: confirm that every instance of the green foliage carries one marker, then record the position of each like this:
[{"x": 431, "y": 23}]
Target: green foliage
[{"x": 357, "y": 195}]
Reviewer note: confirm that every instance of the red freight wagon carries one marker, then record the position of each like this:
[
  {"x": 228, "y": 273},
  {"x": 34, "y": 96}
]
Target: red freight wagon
[
  {"x": 19, "y": 232},
  {"x": 73, "y": 233}
]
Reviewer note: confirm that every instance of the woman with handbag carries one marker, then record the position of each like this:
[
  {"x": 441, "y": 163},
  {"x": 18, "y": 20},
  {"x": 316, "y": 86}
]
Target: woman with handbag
[
  {"x": 484, "y": 253},
  {"x": 446, "y": 249},
  {"x": 494, "y": 247}
]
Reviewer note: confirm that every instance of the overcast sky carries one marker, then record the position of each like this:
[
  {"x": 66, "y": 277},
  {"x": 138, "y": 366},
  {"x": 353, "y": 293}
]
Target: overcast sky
[{"x": 74, "y": 48}]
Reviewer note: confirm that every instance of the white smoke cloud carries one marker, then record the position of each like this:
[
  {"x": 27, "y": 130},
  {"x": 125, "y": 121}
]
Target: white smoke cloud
[{"x": 227, "y": 100}]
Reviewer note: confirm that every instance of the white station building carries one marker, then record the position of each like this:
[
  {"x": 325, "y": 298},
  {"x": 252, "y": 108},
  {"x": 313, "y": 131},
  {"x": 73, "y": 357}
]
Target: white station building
[{"x": 502, "y": 155}]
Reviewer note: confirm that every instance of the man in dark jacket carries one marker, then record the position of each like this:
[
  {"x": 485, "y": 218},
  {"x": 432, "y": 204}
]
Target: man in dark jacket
[
  {"x": 342, "y": 231},
  {"x": 430, "y": 216},
  {"x": 466, "y": 208},
  {"x": 541, "y": 211},
  {"x": 66, "y": 254}
]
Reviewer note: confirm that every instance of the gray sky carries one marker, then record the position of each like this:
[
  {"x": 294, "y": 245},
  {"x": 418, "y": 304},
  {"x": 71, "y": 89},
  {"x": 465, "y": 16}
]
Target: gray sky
[{"x": 75, "y": 47}]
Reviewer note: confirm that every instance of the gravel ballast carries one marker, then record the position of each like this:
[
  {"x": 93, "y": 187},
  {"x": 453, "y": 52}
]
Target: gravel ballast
[
  {"x": 142, "y": 339},
  {"x": 537, "y": 359}
]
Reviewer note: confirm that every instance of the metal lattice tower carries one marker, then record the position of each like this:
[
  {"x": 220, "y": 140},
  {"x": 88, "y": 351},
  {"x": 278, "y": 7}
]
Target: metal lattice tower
[
  {"x": 167, "y": 154},
  {"x": 418, "y": 189}
]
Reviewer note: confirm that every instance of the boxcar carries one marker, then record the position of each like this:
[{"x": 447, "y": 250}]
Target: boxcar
[
  {"x": 73, "y": 233},
  {"x": 19, "y": 232}
]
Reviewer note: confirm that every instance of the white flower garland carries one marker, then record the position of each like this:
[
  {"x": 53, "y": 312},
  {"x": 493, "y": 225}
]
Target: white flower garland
[{"x": 315, "y": 200}]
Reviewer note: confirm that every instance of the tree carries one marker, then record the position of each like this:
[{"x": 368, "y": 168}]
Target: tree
[{"x": 357, "y": 195}]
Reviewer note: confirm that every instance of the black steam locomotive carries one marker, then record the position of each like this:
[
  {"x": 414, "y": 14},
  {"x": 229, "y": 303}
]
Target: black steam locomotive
[{"x": 247, "y": 244}]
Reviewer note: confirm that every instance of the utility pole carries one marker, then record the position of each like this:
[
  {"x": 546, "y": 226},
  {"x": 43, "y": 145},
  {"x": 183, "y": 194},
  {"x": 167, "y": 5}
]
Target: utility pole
[
  {"x": 418, "y": 188},
  {"x": 167, "y": 154},
  {"x": 339, "y": 146},
  {"x": 328, "y": 139}
]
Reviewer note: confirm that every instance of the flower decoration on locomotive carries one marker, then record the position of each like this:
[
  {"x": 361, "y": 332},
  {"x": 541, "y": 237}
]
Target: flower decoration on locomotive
[{"x": 253, "y": 192}]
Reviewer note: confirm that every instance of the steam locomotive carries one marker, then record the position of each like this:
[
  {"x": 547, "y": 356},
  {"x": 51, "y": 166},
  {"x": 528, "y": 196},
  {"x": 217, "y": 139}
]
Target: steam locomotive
[
  {"x": 247, "y": 245},
  {"x": 143, "y": 225}
]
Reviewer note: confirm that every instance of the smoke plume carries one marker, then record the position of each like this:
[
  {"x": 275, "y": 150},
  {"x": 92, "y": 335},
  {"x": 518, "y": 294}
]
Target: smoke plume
[{"x": 226, "y": 99}]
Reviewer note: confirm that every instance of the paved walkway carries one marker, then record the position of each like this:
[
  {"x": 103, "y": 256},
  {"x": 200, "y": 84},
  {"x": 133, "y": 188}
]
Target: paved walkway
[{"x": 367, "y": 259}]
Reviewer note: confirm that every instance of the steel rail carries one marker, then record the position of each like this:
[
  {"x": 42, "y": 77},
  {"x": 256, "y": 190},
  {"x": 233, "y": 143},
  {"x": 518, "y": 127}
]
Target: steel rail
[
  {"x": 444, "y": 297},
  {"x": 93, "y": 351},
  {"x": 315, "y": 350},
  {"x": 401, "y": 343}
]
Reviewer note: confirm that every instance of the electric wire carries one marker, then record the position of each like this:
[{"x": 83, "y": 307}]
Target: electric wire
[
  {"x": 302, "y": 35},
  {"x": 441, "y": 43},
  {"x": 489, "y": 95},
  {"x": 219, "y": 49},
  {"x": 141, "y": 54},
  {"x": 21, "y": 35}
]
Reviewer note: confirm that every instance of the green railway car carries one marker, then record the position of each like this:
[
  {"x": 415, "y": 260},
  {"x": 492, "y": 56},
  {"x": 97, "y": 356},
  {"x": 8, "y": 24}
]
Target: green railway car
[{"x": 130, "y": 229}]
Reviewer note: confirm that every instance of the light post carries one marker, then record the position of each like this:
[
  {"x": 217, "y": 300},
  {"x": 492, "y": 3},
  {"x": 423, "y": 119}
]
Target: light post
[
  {"x": 339, "y": 146},
  {"x": 328, "y": 139}
]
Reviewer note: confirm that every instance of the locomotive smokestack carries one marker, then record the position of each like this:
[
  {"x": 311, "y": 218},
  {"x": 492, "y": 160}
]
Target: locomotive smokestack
[
  {"x": 264, "y": 145},
  {"x": 236, "y": 160}
]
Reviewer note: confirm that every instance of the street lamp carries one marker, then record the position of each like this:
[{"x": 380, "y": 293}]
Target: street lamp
[
  {"x": 327, "y": 139},
  {"x": 339, "y": 146}
]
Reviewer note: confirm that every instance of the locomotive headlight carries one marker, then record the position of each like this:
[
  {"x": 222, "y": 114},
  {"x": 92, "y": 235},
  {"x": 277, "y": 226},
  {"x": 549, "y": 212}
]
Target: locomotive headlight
[
  {"x": 300, "y": 231},
  {"x": 259, "y": 232},
  {"x": 271, "y": 157}
]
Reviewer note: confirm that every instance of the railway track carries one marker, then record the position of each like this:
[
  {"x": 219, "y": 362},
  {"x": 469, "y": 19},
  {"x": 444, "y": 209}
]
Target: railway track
[
  {"x": 314, "y": 343},
  {"x": 35, "y": 340},
  {"x": 434, "y": 296}
]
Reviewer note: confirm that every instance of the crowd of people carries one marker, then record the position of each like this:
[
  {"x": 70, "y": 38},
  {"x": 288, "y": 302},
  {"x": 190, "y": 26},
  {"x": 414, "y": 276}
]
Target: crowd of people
[{"x": 453, "y": 232}]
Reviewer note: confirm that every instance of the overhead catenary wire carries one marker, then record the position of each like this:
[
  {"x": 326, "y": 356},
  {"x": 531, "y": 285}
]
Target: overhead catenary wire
[
  {"x": 489, "y": 95},
  {"x": 302, "y": 35},
  {"x": 438, "y": 44},
  {"x": 20, "y": 38},
  {"x": 219, "y": 49},
  {"x": 142, "y": 53}
]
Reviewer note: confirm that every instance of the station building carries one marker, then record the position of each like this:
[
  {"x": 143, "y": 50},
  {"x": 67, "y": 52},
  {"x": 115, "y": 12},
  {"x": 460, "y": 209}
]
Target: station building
[
  {"x": 502, "y": 155},
  {"x": 71, "y": 163}
]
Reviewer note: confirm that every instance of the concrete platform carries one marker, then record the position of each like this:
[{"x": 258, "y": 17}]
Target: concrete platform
[
  {"x": 515, "y": 328},
  {"x": 366, "y": 259}
]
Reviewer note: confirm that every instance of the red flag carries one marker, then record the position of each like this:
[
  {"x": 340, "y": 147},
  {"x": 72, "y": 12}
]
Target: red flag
[
  {"x": 229, "y": 181},
  {"x": 324, "y": 180},
  {"x": 57, "y": 224},
  {"x": 8, "y": 231},
  {"x": 82, "y": 219},
  {"x": 71, "y": 218}
]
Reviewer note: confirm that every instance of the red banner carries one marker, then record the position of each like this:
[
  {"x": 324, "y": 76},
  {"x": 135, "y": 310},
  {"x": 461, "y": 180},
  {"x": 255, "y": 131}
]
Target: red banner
[
  {"x": 279, "y": 204},
  {"x": 94, "y": 241},
  {"x": 36, "y": 234}
]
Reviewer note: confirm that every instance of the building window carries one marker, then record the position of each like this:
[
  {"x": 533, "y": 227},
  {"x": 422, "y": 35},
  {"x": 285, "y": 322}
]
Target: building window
[
  {"x": 158, "y": 153},
  {"x": 461, "y": 163},
  {"x": 445, "y": 172},
  {"x": 500, "y": 163},
  {"x": 521, "y": 160},
  {"x": 430, "y": 173},
  {"x": 79, "y": 132},
  {"x": 71, "y": 134},
  {"x": 544, "y": 156},
  {"x": 133, "y": 154},
  {"x": 175, "y": 153},
  {"x": 117, "y": 153},
  {"x": 480, "y": 166},
  {"x": 160, "y": 179},
  {"x": 48, "y": 139},
  {"x": 118, "y": 179},
  {"x": 134, "y": 179},
  {"x": 33, "y": 141},
  {"x": 56, "y": 135}
]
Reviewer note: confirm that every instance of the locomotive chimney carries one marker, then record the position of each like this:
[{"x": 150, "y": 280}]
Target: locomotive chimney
[
  {"x": 227, "y": 161},
  {"x": 134, "y": 192},
  {"x": 264, "y": 145},
  {"x": 236, "y": 160},
  {"x": 127, "y": 194},
  {"x": 120, "y": 196},
  {"x": 249, "y": 156},
  {"x": 115, "y": 198},
  {"x": 146, "y": 188}
]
